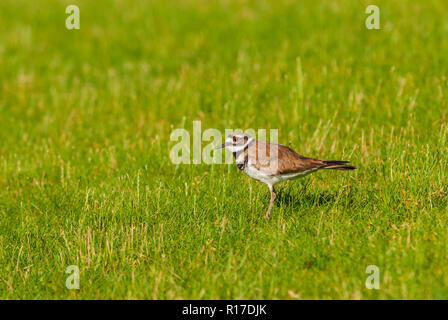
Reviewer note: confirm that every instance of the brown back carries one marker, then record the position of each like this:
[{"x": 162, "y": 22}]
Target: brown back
[{"x": 274, "y": 159}]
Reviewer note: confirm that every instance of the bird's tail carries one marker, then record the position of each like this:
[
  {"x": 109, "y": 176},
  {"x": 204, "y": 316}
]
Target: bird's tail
[{"x": 337, "y": 165}]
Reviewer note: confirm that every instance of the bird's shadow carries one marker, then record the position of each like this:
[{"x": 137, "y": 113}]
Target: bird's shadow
[{"x": 307, "y": 199}]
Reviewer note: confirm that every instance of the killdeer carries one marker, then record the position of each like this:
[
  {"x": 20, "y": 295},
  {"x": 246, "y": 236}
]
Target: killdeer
[{"x": 272, "y": 163}]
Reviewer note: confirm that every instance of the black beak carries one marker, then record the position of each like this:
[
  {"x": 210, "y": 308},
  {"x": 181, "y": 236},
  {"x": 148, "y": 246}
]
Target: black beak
[{"x": 220, "y": 147}]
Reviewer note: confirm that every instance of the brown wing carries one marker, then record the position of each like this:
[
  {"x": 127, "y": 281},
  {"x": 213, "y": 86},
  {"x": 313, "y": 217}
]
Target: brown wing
[
  {"x": 290, "y": 161},
  {"x": 274, "y": 159}
]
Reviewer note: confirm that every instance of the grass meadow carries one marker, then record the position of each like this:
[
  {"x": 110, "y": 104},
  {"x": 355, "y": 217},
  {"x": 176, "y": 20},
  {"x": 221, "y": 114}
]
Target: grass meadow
[{"x": 86, "y": 177}]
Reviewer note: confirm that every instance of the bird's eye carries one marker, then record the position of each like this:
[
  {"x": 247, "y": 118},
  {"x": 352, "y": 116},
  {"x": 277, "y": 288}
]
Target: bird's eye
[{"x": 235, "y": 139}]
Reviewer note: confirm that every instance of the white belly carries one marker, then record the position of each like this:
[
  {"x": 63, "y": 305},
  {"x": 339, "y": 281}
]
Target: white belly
[
  {"x": 271, "y": 180},
  {"x": 260, "y": 176}
]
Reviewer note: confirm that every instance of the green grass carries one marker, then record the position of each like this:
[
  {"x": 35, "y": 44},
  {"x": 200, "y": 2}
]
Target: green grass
[{"x": 86, "y": 178}]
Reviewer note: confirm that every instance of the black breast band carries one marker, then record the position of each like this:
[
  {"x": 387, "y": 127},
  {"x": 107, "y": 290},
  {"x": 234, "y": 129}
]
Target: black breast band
[{"x": 242, "y": 166}]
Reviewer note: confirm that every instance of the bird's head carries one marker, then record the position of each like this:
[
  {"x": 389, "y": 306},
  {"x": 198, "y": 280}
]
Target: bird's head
[{"x": 236, "y": 142}]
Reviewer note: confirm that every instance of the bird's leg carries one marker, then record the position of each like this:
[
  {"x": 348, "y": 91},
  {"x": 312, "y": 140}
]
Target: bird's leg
[{"x": 271, "y": 202}]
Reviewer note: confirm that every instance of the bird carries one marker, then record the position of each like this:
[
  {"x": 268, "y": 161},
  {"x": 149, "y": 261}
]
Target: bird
[{"x": 273, "y": 163}]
